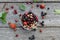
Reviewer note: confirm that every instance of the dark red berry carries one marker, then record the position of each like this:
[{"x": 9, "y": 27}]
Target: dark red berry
[
  {"x": 37, "y": 5},
  {"x": 7, "y": 9},
  {"x": 16, "y": 20},
  {"x": 42, "y": 17},
  {"x": 20, "y": 15},
  {"x": 15, "y": 11},
  {"x": 40, "y": 30},
  {"x": 27, "y": 2},
  {"x": 16, "y": 35},
  {"x": 31, "y": 2},
  {"x": 12, "y": 7}
]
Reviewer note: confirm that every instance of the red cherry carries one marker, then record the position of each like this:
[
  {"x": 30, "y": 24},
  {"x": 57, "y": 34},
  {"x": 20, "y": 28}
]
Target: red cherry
[
  {"x": 12, "y": 7},
  {"x": 42, "y": 6},
  {"x": 36, "y": 18},
  {"x": 25, "y": 23},
  {"x": 12, "y": 25},
  {"x": 15, "y": 11}
]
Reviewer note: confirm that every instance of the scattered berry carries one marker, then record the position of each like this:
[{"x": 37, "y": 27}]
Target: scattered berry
[
  {"x": 16, "y": 35},
  {"x": 42, "y": 21},
  {"x": 12, "y": 25},
  {"x": 48, "y": 8},
  {"x": 33, "y": 37},
  {"x": 40, "y": 30},
  {"x": 42, "y": 17},
  {"x": 31, "y": 2},
  {"x": 7, "y": 9},
  {"x": 45, "y": 13},
  {"x": 16, "y": 20},
  {"x": 15, "y": 11},
  {"x": 42, "y": 6},
  {"x": 37, "y": 5},
  {"x": 27, "y": 2},
  {"x": 20, "y": 15},
  {"x": 12, "y": 7},
  {"x": 42, "y": 13},
  {"x": 29, "y": 38}
]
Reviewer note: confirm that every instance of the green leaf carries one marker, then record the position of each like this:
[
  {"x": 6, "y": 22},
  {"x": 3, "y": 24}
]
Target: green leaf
[
  {"x": 22, "y": 7},
  {"x": 3, "y": 21},
  {"x": 34, "y": 0},
  {"x": 4, "y": 14},
  {"x": 3, "y": 18},
  {"x": 57, "y": 11}
]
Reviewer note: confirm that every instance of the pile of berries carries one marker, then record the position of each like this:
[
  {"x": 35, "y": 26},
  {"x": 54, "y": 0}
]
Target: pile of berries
[{"x": 29, "y": 20}]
